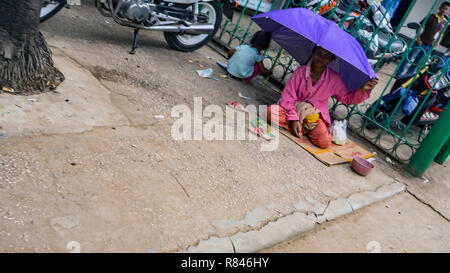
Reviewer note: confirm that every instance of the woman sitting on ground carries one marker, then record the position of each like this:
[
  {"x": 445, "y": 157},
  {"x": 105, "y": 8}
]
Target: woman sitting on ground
[{"x": 303, "y": 106}]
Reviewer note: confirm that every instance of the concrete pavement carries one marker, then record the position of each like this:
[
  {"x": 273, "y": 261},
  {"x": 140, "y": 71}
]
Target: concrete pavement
[
  {"x": 91, "y": 163},
  {"x": 399, "y": 224}
]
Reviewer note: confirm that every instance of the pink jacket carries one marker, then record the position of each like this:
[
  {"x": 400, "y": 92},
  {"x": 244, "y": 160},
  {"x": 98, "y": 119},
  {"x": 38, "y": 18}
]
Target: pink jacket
[{"x": 299, "y": 88}]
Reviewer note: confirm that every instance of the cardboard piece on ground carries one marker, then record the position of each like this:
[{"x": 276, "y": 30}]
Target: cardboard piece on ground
[
  {"x": 335, "y": 154},
  {"x": 350, "y": 150}
]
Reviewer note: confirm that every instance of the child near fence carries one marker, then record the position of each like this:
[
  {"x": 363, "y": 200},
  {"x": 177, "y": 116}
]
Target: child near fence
[{"x": 246, "y": 61}]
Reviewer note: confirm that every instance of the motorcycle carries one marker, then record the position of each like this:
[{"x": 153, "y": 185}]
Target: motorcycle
[
  {"x": 421, "y": 85},
  {"x": 187, "y": 24},
  {"x": 351, "y": 14},
  {"x": 380, "y": 41}
]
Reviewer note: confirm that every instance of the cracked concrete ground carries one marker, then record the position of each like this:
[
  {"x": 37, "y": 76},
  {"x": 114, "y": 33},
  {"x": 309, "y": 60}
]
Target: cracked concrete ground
[
  {"x": 91, "y": 163},
  {"x": 399, "y": 224},
  {"x": 119, "y": 182}
]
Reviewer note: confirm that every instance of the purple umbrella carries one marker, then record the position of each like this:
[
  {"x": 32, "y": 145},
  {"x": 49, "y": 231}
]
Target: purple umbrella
[{"x": 298, "y": 30}]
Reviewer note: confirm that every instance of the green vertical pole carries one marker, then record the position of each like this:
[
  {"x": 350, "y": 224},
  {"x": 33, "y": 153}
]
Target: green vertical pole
[
  {"x": 431, "y": 145},
  {"x": 444, "y": 155}
]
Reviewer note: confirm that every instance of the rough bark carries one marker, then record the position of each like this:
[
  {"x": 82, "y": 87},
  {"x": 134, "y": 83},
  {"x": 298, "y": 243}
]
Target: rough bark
[{"x": 26, "y": 65}]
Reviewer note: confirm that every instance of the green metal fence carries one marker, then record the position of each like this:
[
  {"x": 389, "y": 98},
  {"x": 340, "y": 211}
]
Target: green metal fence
[{"x": 398, "y": 138}]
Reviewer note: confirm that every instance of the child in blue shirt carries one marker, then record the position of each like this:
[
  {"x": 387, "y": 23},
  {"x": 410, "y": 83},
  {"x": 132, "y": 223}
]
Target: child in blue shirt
[{"x": 246, "y": 61}]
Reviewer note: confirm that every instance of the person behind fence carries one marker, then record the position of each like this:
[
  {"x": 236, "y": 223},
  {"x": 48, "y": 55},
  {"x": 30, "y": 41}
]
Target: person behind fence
[
  {"x": 303, "y": 106},
  {"x": 425, "y": 41},
  {"x": 246, "y": 61}
]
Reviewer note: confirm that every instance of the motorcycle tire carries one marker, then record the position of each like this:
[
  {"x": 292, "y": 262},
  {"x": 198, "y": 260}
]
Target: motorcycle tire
[
  {"x": 177, "y": 42},
  {"x": 47, "y": 15}
]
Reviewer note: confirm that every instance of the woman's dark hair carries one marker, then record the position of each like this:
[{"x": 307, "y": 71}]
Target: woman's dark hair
[
  {"x": 261, "y": 39},
  {"x": 317, "y": 46}
]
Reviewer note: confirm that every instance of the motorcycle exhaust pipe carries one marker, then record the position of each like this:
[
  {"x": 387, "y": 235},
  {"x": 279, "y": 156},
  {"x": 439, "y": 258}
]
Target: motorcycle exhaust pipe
[{"x": 189, "y": 29}]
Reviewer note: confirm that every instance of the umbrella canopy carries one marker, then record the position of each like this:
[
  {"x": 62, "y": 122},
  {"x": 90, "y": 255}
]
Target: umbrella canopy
[{"x": 298, "y": 30}]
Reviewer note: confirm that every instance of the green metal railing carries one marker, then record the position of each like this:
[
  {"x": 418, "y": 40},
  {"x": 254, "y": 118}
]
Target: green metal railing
[{"x": 400, "y": 139}]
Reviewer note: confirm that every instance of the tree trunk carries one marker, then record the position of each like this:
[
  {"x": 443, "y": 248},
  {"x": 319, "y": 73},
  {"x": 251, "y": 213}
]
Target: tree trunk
[{"x": 26, "y": 65}]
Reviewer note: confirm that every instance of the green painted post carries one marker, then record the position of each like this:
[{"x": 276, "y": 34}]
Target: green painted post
[
  {"x": 444, "y": 155},
  {"x": 431, "y": 145}
]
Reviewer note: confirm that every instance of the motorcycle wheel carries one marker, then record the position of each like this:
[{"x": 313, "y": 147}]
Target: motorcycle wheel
[
  {"x": 50, "y": 8},
  {"x": 187, "y": 42}
]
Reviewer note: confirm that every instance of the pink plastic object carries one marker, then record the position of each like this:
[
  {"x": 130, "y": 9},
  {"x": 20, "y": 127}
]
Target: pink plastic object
[
  {"x": 260, "y": 133},
  {"x": 362, "y": 166},
  {"x": 237, "y": 106}
]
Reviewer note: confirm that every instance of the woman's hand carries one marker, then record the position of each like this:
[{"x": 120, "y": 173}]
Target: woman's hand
[
  {"x": 369, "y": 85},
  {"x": 296, "y": 127}
]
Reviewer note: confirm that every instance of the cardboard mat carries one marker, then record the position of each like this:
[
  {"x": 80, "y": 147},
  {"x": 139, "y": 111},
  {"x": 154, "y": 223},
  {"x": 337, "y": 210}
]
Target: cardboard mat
[{"x": 335, "y": 154}]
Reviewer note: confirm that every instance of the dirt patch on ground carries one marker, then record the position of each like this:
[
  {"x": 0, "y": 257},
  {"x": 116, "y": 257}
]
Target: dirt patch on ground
[{"x": 114, "y": 75}]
